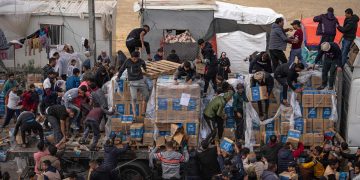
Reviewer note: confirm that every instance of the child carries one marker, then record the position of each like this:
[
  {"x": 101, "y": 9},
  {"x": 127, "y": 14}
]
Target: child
[
  {"x": 74, "y": 80},
  {"x": 30, "y": 100},
  {"x": 170, "y": 160},
  {"x": 292, "y": 171},
  {"x": 71, "y": 68},
  {"x": 238, "y": 103}
]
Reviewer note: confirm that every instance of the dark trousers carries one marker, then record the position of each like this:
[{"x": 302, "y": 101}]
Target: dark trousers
[
  {"x": 29, "y": 127},
  {"x": 95, "y": 127},
  {"x": 223, "y": 73},
  {"x": 215, "y": 123},
  {"x": 10, "y": 113},
  {"x": 277, "y": 56},
  {"x": 328, "y": 65},
  {"x": 283, "y": 82},
  {"x": 240, "y": 123},
  {"x": 55, "y": 125},
  {"x": 267, "y": 103},
  {"x": 210, "y": 76},
  {"x": 136, "y": 43},
  {"x": 326, "y": 38}
]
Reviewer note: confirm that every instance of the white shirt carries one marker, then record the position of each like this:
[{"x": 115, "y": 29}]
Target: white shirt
[
  {"x": 47, "y": 83},
  {"x": 70, "y": 70},
  {"x": 13, "y": 101}
]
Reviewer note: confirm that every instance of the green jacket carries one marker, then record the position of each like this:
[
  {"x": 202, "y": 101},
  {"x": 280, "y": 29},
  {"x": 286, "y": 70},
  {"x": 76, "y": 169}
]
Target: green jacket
[
  {"x": 215, "y": 107},
  {"x": 8, "y": 86},
  {"x": 238, "y": 101}
]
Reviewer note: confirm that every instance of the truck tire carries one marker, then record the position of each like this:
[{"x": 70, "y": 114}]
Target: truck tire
[{"x": 134, "y": 169}]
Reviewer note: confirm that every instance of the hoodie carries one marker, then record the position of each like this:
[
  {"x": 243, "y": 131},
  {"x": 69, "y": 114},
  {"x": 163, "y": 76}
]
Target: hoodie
[
  {"x": 350, "y": 27},
  {"x": 278, "y": 38},
  {"x": 270, "y": 151},
  {"x": 133, "y": 69},
  {"x": 210, "y": 57},
  {"x": 111, "y": 156},
  {"x": 284, "y": 158},
  {"x": 327, "y": 24},
  {"x": 269, "y": 175}
]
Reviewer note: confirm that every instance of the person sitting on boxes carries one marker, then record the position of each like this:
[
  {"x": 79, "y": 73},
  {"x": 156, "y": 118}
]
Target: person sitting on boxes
[
  {"x": 170, "y": 160},
  {"x": 214, "y": 114},
  {"x": 332, "y": 62},
  {"x": 286, "y": 74},
  {"x": 92, "y": 122},
  {"x": 238, "y": 103},
  {"x": 263, "y": 78},
  {"x": 185, "y": 69},
  {"x": 27, "y": 123},
  {"x": 136, "y": 79}
]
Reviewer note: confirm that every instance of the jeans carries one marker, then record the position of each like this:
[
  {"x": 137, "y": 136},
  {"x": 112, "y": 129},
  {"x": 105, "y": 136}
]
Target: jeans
[
  {"x": 9, "y": 115},
  {"x": 95, "y": 127},
  {"x": 276, "y": 56},
  {"x": 297, "y": 53},
  {"x": 55, "y": 125},
  {"x": 136, "y": 43},
  {"x": 328, "y": 65},
  {"x": 345, "y": 48}
]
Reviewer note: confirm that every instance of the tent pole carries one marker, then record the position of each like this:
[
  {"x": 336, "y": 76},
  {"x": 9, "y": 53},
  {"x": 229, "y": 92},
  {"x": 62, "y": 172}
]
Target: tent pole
[{"x": 14, "y": 58}]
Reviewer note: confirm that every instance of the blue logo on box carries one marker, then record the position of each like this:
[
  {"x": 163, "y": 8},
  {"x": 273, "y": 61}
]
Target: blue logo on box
[
  {"x": 191, "y": 128},
  {"x": 283, "y": 139},
  {"x": 267, "y": 136},
  {"x": 127, "y": 119},
  {"x": 230, "y": 122},
  {"x": 294, "y": 134},
  {"x": 229, "y": 111},
  {"x": 326, "y": 113},
  {"x": 136, "y": 133},
  {"x": 255, "y": 93},
  {"x": 312, "y": 113},
  {"x": 120, "y": 108},
  {"x": 343, "y": 175},
  {"x": 176, "y": 105},
  {"x": 192, "y": 105},
  {"x": 137, "y": 111},
  {"x": 270, "y": 126},
  {"x": 121, "y": 85},
  {"x": 162, "y": 104},
  {"x": 164, "y": 133},
  {"x": 226, "y": 145},
  {"x": 299, "y": 125}
]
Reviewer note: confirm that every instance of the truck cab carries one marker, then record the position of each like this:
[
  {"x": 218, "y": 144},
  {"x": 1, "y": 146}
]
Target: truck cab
[{"x": 348, "y": 96}]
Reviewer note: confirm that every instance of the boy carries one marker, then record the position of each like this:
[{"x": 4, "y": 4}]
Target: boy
[
  {"x": 71, "y": 68},
  {"x": 296, "y": 42},
  {"x": 170, "y": 160},
  {"x": 238, "y": 103},
  {"x": 27, "y": 123},
  {"x": 9, "y": 84},
  {"x": 159, "y": 55},
  {"x": 13, "y": 107},
  {"x": 74, "y": 80}
]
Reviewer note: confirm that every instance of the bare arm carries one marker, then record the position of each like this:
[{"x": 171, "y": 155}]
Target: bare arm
[{"x": 142, "y": 35}]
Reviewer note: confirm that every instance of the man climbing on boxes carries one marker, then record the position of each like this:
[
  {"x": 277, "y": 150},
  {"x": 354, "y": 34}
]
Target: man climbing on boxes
[
  {"x": 332, "y": 62},
  {"x": 27, "y": 123},
  {"x": 214, "y": 114},
  {"x": 186, "y": 69},
  {"x": 136, "y": 79},
  {"x": 135, "y": 39}
]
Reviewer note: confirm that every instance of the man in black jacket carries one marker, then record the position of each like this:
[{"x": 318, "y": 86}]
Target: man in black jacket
[
  {"x": 136, "y": 79},
  {"x": 332, "y": 62},
  {"x": 27, "y": 123},
  {"x": 286, "y": 74},
  {"x": 186, "y": 69},
  {"x": 135, "y": 39},
  {"x": 111, "y": 155},
  {"x": 261, "y": 61},
  {"x": 207, "y": 160},
  {"x": 210, "y": 60},
  {"x": 349, "y": 33}
]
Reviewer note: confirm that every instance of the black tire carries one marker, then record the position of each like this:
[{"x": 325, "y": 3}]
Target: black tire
[{"x": 133, "y": 170}]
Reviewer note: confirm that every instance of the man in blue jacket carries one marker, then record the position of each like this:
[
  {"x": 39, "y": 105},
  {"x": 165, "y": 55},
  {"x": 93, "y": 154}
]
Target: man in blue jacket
[{"x": 327, "y": 26}]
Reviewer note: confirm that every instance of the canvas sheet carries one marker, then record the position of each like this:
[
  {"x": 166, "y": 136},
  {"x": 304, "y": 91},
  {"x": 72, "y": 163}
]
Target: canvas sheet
[{"x": 238, "y": 46}]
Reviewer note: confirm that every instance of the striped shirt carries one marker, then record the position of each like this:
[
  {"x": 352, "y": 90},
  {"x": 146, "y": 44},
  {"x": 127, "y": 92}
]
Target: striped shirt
[{"x": 170, "y": 163}]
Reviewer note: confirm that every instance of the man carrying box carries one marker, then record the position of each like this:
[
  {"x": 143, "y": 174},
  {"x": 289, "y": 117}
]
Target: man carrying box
[
  {"x": 286, "y": 74},
  {"x": 214, "y": 114},
  {"x": 262, "y": 78},
  {"x": 136, "y": 79}
]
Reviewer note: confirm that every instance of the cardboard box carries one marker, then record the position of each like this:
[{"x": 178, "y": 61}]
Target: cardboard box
[
  {"x": 286, "y": 113},
  {"x": 191, "y": 129},
  {"x": 319, "y": 100},
  {"x": 308, "y": 99},
  {"x": 256, "y": 137},
  {"x": 160, "y": 141},
  {"x": 308, "y": 139},
  {"x": 269, "y": 126},
  {"x": 259, "y": 93},
  {"x": 300, "y": 125},
  {"x": 273, "y": 108},
  {"x": 229, "y": 133},
  {"x": 163, "y": 126},
  {"x": 310, "y": 113},
  {"x": 284, "y": 128},
  {"x": 226, "y": 144},
  {"x": 309, "y": 125},
  {"x": 324, "y": 112},
  {"x": 328, "y": 124},
  {"x": 266, "y": 136},
  {"x": 148, "y": 125},
  {"x": 136, "y": 131},
  {"x": 287, "y": 176},
  {"x": 293, "y": 136},
  {"x": 316, "y": 81},
  {"x": 318, "y": 125},
  {"x": 192, "y": 141},
  {"x": 318, "y": 139}
]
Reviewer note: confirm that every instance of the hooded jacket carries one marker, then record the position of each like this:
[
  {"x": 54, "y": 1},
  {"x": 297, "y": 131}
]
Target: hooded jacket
[
  {"x": 327, "y": 24},
  {"x": 258, "y": 64},
  {"x": 287, "y": 71},
  {"x": 111, "y": 156},
  {"x": 210, "y": 58},
  {"x": 101, "y": 78},
  {"x": 269, "y": 175},
  {"x": 333, "y": 54},
  {"x": 350, "y": 27},
  {"x": 270, "y": 151},
  {"x": 216, "y": 106},
  {"x": 284, "y": 158},
  {"x": 278, "y": 38},
  {"x": 133, "y": 69}
]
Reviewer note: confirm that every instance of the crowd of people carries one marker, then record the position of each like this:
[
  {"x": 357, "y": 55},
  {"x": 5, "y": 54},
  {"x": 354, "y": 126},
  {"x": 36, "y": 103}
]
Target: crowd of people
[{"x": 73, "y": 101}]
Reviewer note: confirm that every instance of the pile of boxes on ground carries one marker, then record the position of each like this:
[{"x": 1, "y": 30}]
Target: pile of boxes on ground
[
  {"x": 316, "y": 107},
  {"x": 176, "y": 116}
]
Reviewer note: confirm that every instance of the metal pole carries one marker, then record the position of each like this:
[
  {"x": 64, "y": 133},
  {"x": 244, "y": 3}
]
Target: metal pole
[
  {"x": 14, "y": 58},
  {"x": 92, "y": 32}
]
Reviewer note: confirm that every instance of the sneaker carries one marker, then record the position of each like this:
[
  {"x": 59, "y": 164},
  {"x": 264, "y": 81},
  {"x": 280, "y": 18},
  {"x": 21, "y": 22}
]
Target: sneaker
[{"x": 321, "y": 87}]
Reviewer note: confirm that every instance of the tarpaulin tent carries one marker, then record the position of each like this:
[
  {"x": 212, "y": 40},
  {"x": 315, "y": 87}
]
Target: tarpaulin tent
[{"x": 312, "y": 40}]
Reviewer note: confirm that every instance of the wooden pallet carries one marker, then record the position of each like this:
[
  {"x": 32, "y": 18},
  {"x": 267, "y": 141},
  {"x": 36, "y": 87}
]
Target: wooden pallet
[{"x": 158, "y": 68}]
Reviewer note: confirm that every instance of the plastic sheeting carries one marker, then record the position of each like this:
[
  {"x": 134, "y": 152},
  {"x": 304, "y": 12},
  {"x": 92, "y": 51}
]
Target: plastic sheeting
[
  {"x": 238, "y": 46},
  {"x": 246, "y": 15}
]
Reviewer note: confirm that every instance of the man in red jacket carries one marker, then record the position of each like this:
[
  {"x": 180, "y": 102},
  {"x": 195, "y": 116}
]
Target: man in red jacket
[{"x": 30, "y": 99}]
